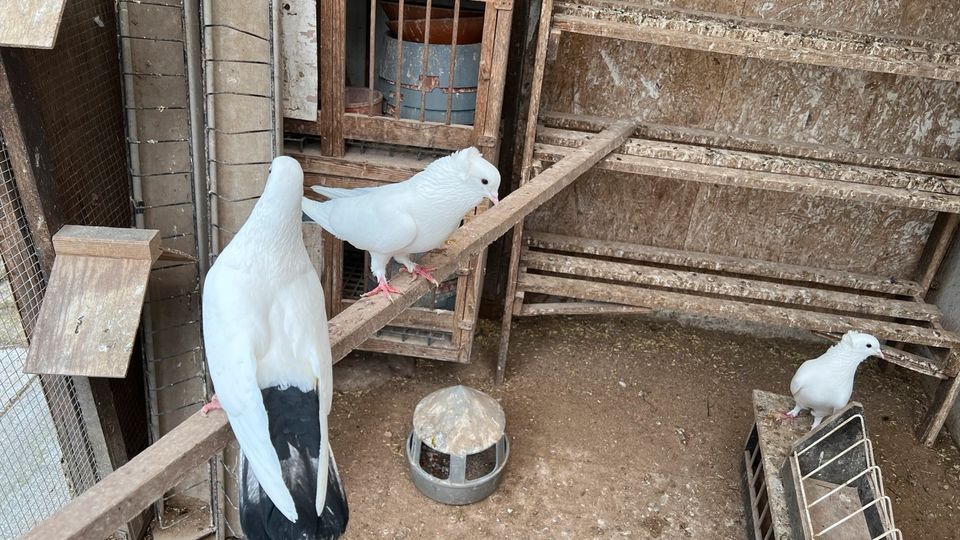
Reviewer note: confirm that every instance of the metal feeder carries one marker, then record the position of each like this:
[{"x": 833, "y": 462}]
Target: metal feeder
[{"x": 457, "y": 448}]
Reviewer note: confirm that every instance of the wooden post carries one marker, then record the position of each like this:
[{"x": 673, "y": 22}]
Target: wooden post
[
  {"x": 333, "y": 24},
  {"x": 946, "y": 395},
  {"x": 509, "y": 300},
  {"x": 937, "y": 246}
]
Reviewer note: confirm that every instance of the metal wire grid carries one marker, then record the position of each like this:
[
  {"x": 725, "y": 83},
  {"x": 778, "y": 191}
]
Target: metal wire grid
[
  {"x": 176, "y": 379},
  {"x": 870, "y": 474},
  {"x": 45, "y": 454}
]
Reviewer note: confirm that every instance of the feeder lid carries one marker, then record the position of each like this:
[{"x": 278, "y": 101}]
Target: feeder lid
[{"x": 459, "y": 420}]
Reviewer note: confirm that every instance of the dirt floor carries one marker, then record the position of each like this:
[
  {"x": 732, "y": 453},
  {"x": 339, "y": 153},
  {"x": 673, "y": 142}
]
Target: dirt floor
[{"x": 626, "y": 427}]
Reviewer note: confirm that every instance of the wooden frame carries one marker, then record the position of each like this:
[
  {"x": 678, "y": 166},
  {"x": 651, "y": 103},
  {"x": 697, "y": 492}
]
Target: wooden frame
[
  {"x": 589, "y": 271},
  {"x": 339, "y": 166}
]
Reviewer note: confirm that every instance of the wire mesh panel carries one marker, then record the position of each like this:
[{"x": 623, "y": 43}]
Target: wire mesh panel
[{"x": 45, "y": 454}]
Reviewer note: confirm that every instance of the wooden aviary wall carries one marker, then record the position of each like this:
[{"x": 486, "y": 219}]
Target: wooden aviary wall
[
  {"x": 381, "y": 143},
  {"x": 786, "y": 171}
]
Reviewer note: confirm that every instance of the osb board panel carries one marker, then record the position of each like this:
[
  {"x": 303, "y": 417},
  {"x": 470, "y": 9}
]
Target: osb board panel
[
  {"x": 791, "y": 102},
  {"x": 298, "y": 28},
  {"x": 617, "y": 79},
  {"x": 811, "y": 104},
  {"x": 30, "y": 23},
  {"x": 810, "y": 231},
  {"x": 645, "y": 210}
]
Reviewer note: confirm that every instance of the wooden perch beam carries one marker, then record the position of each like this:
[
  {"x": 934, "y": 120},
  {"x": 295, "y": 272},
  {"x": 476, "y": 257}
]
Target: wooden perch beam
[
  {"x": 123, "y": 494},
  {"x": 760, "y": 39}
]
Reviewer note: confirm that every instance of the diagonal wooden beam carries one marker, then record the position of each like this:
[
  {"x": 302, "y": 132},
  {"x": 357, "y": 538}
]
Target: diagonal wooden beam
[{"x": 123, "y": 494}]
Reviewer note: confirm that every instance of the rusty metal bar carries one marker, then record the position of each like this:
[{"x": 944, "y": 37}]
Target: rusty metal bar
[
  {"x": 453, "y": 60},
  {"x": 425, "y": 68},
  {"x": 396, "y": 82}
]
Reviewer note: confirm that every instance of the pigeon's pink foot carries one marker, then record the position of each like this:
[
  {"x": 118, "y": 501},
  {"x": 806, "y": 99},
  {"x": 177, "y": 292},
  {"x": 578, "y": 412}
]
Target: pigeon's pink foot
[
  {"x": 425, "y": 273},
  {"x": 214, "y": 404},
  {"x": 786, "y": 416},
  {"x": 383, "y": 288}
]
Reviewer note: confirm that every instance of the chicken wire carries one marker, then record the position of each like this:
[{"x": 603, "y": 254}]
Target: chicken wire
[{"x": 45, "y": 453}]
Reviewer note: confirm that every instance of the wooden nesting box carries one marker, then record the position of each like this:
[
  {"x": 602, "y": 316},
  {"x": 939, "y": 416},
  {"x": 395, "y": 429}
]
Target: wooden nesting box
[
  {"x": 732, "y": 214},
  {"x": 448, "y": 97}
]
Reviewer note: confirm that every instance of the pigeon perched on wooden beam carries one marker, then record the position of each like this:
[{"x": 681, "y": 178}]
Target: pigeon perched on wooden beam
[
  {"x": 824, "y": 385},
  {"x": 268, "y": 351},
  {"x": 409, "y": 217}
]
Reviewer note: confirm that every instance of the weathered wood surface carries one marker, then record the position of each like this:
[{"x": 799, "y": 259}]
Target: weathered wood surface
[
  {"x": 683, "y": 165},
  {"x": 30, "y": 23},
  {"x": 734, "y": 287},
  {"x": 576, "y": 308},
  {"x": 895, "y": 355},
  {"x": 733, "y": 309},
  {"x": 107, "y": 242},
  {"x": 333, "y": 17},
  {"x": 737, "y": 159},
  {"x": 384, "y": 129},
  {"x": 760, "y": 39},
  {"x": 91, "y": 309},
  {"x": 119, "y": 497},
  {"x": 298, "y": 25},
  {"x": 866, "y": 157},
  {"x": 941, "y": 237},
  {"x": 722, "y": 263}
]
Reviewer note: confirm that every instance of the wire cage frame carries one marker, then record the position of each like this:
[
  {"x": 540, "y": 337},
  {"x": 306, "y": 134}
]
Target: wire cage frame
[{"x": 835, "y": 468}]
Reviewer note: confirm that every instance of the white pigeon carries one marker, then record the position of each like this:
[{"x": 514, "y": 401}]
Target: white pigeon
[
  {"x": 413, "y": 216},
  {"x": 824, "y": 385},
  {"x": 262, "y": 331}
]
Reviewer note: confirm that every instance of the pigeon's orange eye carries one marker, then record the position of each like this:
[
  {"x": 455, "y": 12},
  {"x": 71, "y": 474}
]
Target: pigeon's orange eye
[{"x": 484, "y": 181}]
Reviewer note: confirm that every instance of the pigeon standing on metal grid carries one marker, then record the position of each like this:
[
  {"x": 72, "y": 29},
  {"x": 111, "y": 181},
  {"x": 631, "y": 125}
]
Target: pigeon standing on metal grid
[
  {"x": 825, "y": 384},
  {"x": 413, "y": 216},
  {"x": 268, "y": 350}
]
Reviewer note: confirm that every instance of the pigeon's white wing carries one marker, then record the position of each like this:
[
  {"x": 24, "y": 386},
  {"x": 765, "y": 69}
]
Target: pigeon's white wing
[
  {"x": 376, "y": 222},
  {"x": 340, "y": 193},
  {"x": 308, "y": 331},
  {"x": 803, "y": 377},
  {"x": 235, "y": 334}
]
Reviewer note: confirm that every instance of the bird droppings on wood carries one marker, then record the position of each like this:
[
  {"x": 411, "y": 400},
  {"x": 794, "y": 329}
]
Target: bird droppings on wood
[{"x": 592, "y": 459}]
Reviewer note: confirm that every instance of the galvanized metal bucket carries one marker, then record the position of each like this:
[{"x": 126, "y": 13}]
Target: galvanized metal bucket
[{"x": 433, "y": 82}]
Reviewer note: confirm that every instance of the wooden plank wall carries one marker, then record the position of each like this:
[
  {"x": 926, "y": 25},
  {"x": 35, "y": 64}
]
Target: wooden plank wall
[{"x": 792, "y": 102}]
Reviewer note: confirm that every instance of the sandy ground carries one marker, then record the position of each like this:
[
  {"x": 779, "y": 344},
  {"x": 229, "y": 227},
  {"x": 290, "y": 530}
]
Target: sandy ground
[{"x": 623, "y": 427}]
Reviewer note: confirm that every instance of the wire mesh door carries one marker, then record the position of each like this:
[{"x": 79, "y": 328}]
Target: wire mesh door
[{"x": 45, "y": 453}]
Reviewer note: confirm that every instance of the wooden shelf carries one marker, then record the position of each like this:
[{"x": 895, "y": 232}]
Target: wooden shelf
[
  {"x": 708, "y": 157},
  {"x": 760, "y": 39},
  {"x": 735, "y": 288}
]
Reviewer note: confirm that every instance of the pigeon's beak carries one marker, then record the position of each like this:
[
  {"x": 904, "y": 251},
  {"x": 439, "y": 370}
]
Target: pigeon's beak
[
  {"x": 879, "y": 354},
  {"x": 493, "y": 198}
]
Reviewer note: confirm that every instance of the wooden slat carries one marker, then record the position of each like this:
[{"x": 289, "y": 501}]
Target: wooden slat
[
  {"x": 436, "y": 351},
  {"x": 941, "y": 237},
  {"x": 384, "y": 129},
  {"x": 733, "y": 309},
  {"x": 100, "y": 510},
  {"x": 722, "y": 263},
  {"x": 419, "y": 317},
  {"x": 107, "y": 242},
  {"x": 716, "y": 139},
  {"x": 333, "y": 22},
  {"x": 760, "y": 39},
  {"x": 361, "y": 320},
  {"x": 678, "y": 169},
  {"x": 735, "y": 287},
  {"x": 738, "y": 159},
  {"x": 576, "y": 308},
  {"x": 895, "y": 355}
]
